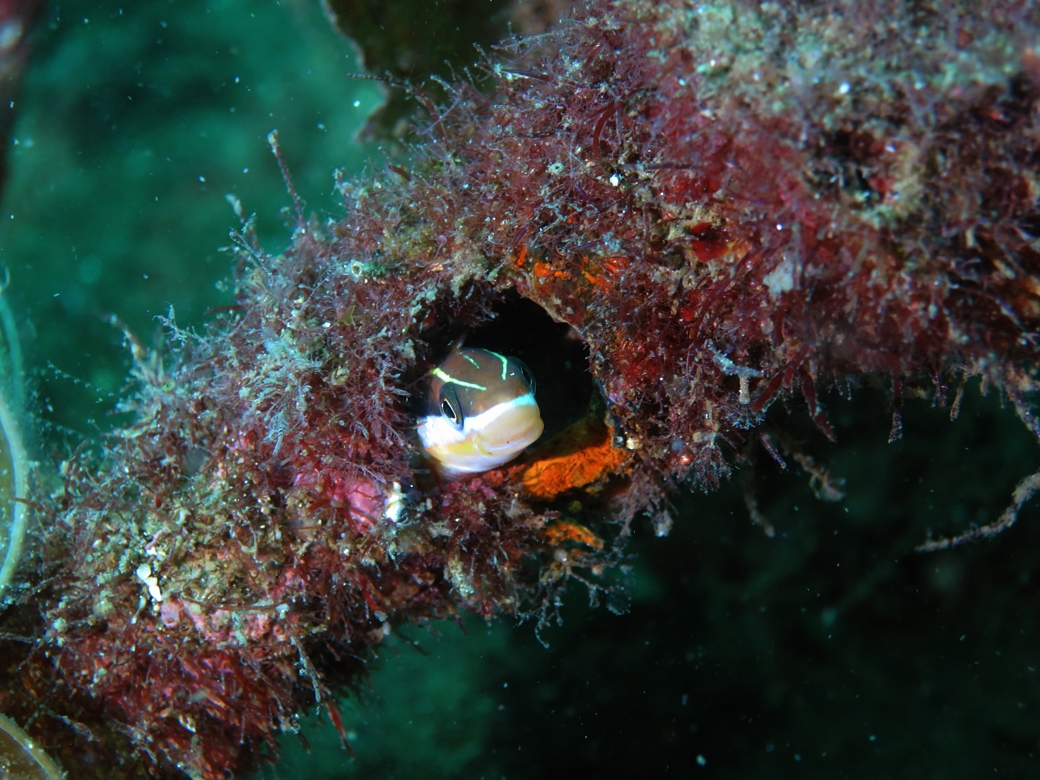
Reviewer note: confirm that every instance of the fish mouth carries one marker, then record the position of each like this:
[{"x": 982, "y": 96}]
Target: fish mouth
[{"x": 510, "y": 432}]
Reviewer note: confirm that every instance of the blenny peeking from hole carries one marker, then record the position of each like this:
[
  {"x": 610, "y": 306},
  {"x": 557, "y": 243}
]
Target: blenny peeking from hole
[{"x": 478, "y": 412}]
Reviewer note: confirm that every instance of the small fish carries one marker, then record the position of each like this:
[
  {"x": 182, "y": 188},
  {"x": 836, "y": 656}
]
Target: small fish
[{"x": 479, "y": 412}]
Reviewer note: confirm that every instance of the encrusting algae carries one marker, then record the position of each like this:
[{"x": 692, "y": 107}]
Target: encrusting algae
[
  {"x": 729, "y": 204},
  {"x": 578, "y": 457}
]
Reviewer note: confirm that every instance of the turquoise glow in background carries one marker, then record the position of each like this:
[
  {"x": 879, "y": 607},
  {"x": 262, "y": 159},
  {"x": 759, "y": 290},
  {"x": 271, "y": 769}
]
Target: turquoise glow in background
[{"x": 136, "y": 119}]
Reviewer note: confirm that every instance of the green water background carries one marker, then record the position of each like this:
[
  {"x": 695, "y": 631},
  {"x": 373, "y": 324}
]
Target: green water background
[{"x": 829, "y": 651}]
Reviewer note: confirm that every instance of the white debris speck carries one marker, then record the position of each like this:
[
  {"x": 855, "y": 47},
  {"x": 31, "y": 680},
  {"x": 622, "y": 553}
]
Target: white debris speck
[
  {"x": 394, "y": 503},
  {"x": 144, "y": 574},
  {"x": 781, "y": 278}
]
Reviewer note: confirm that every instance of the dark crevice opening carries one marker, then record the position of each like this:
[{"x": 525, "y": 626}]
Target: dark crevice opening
[{"x": 553, "y": 351}]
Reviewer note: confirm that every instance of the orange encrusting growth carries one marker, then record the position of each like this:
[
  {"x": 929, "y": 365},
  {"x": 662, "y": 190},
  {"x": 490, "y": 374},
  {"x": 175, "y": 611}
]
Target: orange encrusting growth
[
  {"x": 561, "y": 531},
  {"x": 579, "y": 456}
]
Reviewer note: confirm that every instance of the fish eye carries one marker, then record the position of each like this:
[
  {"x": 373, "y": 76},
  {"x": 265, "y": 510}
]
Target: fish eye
[
  {"x": 451, "y": 410},
  {"x": 525, "y": 372}
]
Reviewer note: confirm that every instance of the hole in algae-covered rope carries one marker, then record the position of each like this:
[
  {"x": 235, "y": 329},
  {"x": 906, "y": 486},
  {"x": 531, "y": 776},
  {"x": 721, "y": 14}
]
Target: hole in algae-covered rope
[
  {"x": 553, "y": 351},
  {"x": 21, "y": 758}
]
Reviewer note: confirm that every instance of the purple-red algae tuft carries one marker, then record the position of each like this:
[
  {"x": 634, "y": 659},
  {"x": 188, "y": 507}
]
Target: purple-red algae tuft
[{"x": 729, "y": 203}]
